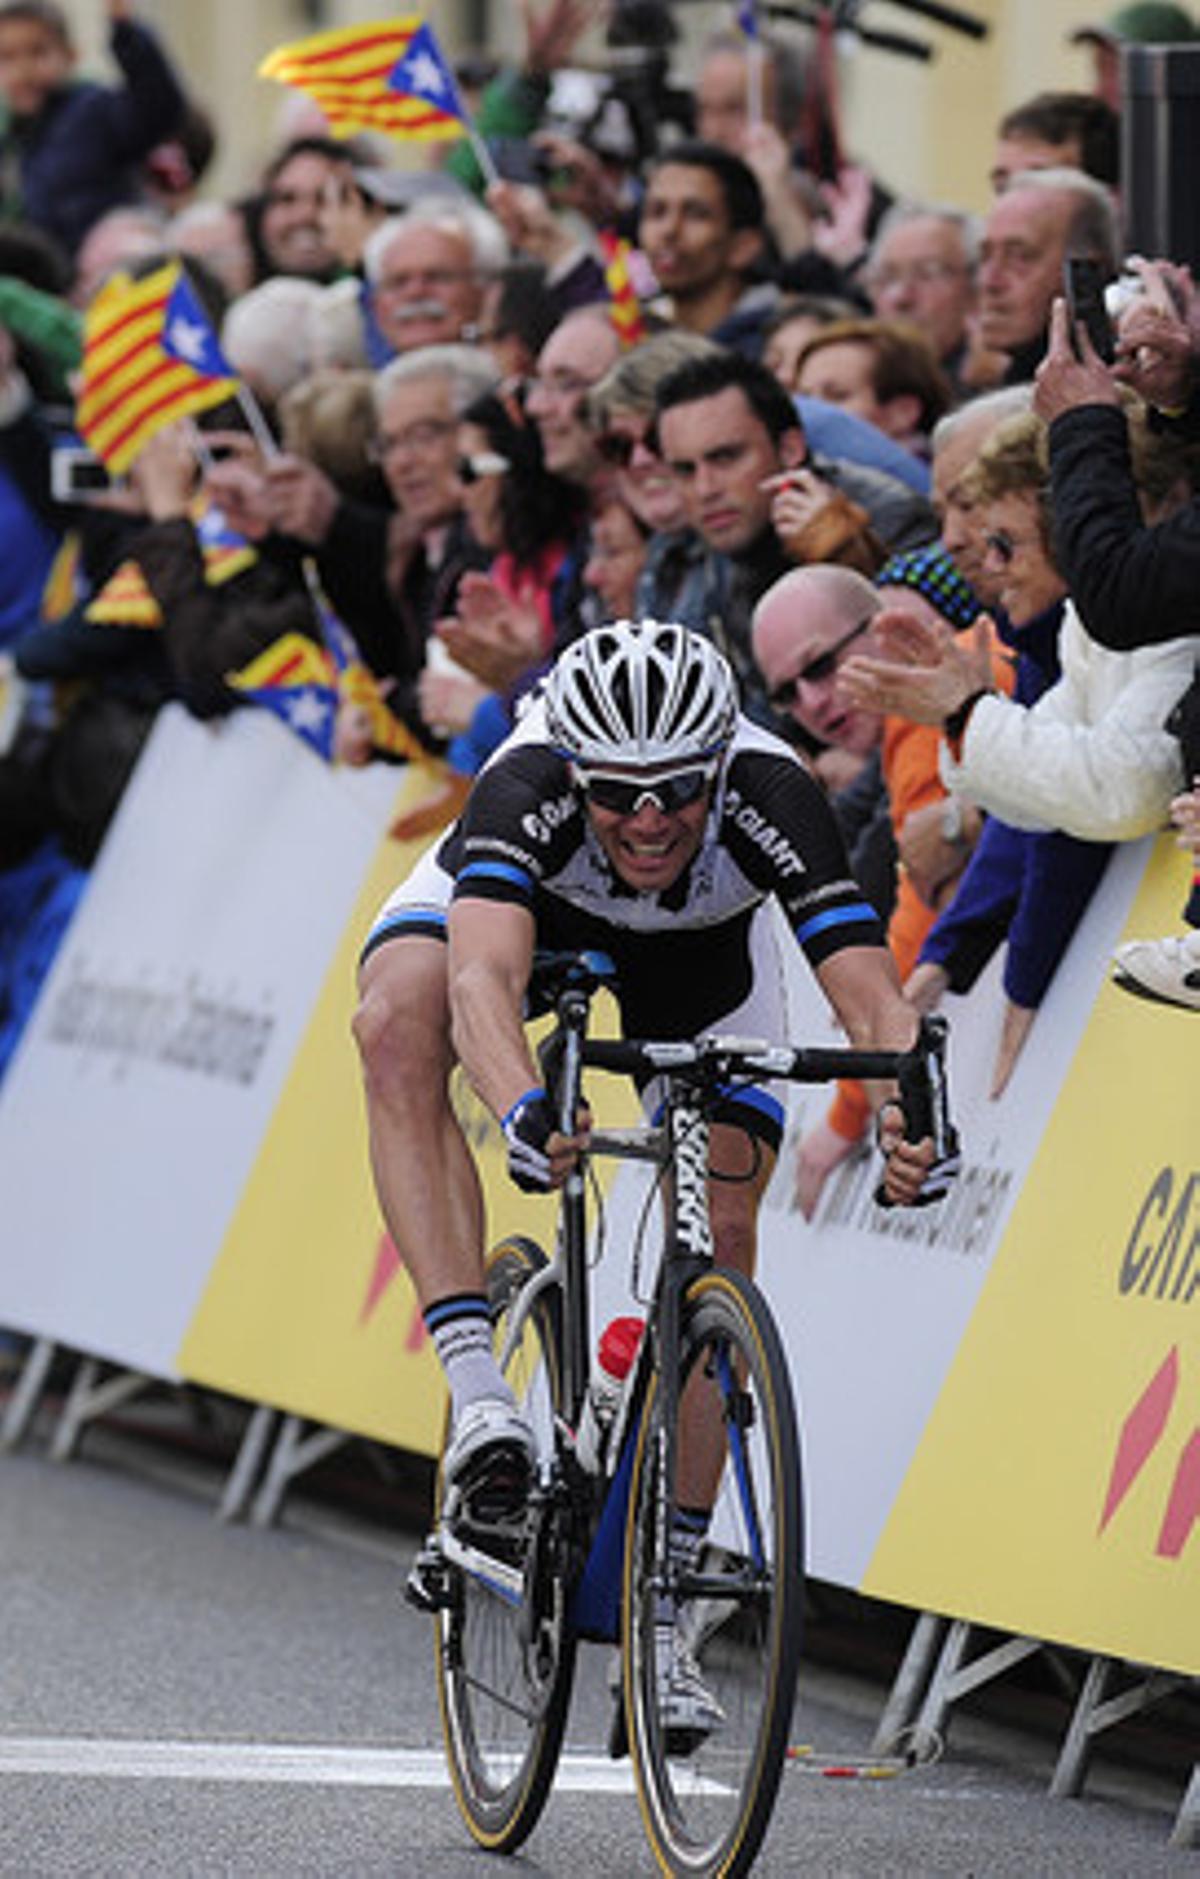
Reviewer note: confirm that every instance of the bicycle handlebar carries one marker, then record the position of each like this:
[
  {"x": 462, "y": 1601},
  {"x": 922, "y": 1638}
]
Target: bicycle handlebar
[
  {"x": 719, "y": 1057},
  {"x": 565, "y": 978}
]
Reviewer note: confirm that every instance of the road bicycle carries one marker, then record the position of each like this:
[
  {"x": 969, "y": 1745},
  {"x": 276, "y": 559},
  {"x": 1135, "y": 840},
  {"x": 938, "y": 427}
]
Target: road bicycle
[{"x": 591, "y": 1554}]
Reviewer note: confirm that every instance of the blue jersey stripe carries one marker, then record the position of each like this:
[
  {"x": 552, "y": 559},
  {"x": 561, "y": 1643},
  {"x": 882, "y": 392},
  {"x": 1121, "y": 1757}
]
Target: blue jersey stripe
[
  {"x": 430, "y": 921},
  {"x": 745, "y": 1096},
  {"x": 858, "y": 913},
  {"x": 497, "y": 871}
]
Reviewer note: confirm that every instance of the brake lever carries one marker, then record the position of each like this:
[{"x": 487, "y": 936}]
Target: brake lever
[{"x": 925, "y": 1100}]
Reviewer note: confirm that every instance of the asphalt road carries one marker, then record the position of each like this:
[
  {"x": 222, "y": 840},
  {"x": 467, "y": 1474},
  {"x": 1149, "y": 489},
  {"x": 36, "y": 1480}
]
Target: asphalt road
[{"x": 180, "y": 1697}]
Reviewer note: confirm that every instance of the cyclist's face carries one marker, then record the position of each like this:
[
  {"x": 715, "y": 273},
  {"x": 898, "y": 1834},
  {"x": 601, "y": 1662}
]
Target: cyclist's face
[{"x": 650, "y": 849}]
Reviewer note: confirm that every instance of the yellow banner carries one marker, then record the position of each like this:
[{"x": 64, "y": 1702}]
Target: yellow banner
[{"x": 1056, "y": 1490}]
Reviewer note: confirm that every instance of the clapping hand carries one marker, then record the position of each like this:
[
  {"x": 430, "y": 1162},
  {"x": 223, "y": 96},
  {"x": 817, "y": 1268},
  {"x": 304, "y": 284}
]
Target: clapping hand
[
  {"x": 928, "y": 671},
  {"x": 495, "y": 638}
]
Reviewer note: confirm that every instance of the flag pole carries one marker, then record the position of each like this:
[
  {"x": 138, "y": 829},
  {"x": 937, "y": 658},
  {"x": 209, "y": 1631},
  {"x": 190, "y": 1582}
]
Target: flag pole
[
  {"x": 754, "y": 81},
  {"x": 483, "y": 155},
  {"x": 260, "y": 430}
]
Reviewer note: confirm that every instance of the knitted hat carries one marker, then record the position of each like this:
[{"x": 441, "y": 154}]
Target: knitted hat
[{"x": 930, "y": 572}]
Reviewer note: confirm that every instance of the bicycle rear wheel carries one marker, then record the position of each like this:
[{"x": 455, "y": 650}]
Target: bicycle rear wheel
[
  {"x": 706, "y": 1799},
  {"x": 505, "y": 1666}
]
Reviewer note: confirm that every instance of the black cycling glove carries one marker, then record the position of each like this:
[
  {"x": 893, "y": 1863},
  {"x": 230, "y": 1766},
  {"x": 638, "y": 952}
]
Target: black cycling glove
[{"x": 526, "y": 1129}]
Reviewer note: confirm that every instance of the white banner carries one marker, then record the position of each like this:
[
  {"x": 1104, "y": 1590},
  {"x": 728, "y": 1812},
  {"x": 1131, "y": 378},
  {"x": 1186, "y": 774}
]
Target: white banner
[{"x": 133, "y": 1111}]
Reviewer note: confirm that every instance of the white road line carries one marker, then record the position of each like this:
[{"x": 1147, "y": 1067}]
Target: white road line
[{"x": 273, "y": 1762}]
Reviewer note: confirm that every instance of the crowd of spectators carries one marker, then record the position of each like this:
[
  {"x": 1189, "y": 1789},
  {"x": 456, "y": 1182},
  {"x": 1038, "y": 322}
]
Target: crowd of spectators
[{"x": 949, "y": 552}]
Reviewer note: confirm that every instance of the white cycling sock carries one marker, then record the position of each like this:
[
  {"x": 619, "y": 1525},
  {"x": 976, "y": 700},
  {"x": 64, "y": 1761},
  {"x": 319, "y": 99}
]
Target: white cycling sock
[
  {"x": 462, "y": 1337},
  {"x": 689, "y": 1529}
]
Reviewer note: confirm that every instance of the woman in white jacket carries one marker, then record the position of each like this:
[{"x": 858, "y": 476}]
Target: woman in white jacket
[{"x": 1091, "y": 757}]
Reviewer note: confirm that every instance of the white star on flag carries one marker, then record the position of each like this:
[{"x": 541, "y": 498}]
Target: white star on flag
[
  {"x": 187, "y": 339},
  {"x": 423, "y": 75},
  {"x": 307, "y": 713}
]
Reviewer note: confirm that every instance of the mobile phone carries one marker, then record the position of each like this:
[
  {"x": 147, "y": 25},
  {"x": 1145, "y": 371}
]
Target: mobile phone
[
  {"x": 77, "y": 473},
  {"x": 519, "y": 161},
  {"x": 1084, "y": 282}
]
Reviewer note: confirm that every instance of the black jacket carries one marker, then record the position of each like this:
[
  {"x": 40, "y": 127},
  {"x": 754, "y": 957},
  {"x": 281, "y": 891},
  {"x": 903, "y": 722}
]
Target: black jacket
[{"x": 1133, "y": 585}]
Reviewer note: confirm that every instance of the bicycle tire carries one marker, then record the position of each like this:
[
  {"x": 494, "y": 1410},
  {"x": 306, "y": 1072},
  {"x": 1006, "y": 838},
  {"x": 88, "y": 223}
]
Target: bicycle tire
[
  {"x": 706, "y": 1801},
  {"x": 504, "y": 1697}
]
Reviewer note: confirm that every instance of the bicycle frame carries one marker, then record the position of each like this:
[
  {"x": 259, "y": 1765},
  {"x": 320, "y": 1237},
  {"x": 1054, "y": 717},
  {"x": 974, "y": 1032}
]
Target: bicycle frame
[
  {"x": 679, "y": 1144},
  {"x": 596, "y": 1552}
]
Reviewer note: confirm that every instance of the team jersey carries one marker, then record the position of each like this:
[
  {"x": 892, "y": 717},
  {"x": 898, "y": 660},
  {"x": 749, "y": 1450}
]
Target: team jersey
[{"x": 525, "y": 838}]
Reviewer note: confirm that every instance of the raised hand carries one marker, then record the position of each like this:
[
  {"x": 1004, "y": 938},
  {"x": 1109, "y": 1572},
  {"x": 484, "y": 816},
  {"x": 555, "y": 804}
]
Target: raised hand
[
  {"x": 495, "y": 638},
  {"x": 1063, "y": 380},
  {"x": 927, "y": 671}
]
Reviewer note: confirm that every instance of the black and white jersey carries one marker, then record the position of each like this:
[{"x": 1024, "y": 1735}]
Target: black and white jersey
[
  {"x": 688, "y": 959},
  {"x": 525, "y": 838}
]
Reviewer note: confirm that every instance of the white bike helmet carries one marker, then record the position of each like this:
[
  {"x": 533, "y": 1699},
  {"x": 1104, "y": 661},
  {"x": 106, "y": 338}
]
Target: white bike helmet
[{"x": 640, "y": 695}]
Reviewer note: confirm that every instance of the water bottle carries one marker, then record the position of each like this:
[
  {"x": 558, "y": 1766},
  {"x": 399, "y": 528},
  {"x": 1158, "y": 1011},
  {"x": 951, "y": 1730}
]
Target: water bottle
[{"x": 618, "y": 1347}]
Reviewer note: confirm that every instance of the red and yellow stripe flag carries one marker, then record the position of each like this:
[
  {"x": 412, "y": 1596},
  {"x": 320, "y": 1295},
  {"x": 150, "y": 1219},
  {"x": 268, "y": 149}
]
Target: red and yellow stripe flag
[
  {"x": 134, "y": 380},
  {"x": 624, "y": 307},
  {"x": 389, "y": 76}
]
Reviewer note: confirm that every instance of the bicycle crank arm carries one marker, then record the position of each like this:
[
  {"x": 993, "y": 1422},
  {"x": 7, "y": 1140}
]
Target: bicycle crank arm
[{"x": 496, "y": 1575}]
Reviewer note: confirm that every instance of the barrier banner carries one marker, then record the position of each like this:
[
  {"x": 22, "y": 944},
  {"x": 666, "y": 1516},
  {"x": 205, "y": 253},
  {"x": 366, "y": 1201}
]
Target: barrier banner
[
  {"x": 132, "y": 1113},
  {"x": 1055, "y": 1490}
]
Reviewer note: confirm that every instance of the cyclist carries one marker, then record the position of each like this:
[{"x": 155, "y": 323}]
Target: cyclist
[{"x": 635, "y": 811}]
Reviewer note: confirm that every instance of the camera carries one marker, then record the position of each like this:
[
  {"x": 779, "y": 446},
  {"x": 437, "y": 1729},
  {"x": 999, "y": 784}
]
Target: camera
[{"x": 77, "y": 473}]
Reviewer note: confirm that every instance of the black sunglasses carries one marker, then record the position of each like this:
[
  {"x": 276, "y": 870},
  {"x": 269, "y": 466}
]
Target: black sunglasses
[
  {"x": 817, "y": 670},
  {"x": 624, "y": 796},
  {"x": 615, "y": 449}
]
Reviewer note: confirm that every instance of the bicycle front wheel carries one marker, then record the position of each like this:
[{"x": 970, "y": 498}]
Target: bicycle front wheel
[
  {"x": 505, "y": 1666},
  {"x": 708, "y": 1761}
]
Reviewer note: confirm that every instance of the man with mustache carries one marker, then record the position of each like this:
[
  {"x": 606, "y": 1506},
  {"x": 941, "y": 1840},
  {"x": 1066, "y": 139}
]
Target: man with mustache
[{"x": 426, "y": 275}]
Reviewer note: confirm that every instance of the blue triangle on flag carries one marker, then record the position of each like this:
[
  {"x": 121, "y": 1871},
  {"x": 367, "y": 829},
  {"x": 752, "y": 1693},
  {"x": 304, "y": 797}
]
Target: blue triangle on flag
[
  {"x": 421, "y": 72},
  {"x": 188, "y": 334}
]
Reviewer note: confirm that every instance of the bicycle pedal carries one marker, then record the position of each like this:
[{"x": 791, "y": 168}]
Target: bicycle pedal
[
  {"x": 681, "y": 1744},
  {"x": 498, "y": 1494},
  {"x": 427, "y": 1587}
]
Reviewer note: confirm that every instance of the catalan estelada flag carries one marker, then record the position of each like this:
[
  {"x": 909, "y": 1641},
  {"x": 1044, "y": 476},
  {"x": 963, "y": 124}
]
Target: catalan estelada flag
[
  {"x": 294, "y": 678},
  {"x": 357, "y": 685},
  {"x": 390, "y": 76},
  {"x": 624, "y": 307},
  {"x": 149, "y": 357},
  {"x": 126, "y": 600}
]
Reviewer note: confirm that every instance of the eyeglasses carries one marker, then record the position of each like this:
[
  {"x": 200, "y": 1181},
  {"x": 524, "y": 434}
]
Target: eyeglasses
[
  {"x": 624, "y": 795},
  {"x": 483, "y": 463},
  {"x": 418, "y": 437},
  {"x": 1005, "y": 546},
  {"x": 817, "y": 670}
]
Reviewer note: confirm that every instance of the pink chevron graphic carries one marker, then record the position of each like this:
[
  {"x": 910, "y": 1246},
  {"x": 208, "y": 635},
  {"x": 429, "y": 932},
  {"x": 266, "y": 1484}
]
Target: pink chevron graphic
[
  {"x": 387, "y": 1265},
  {"x": 1140, "y": 1433},
  {"x": 1183, "y": 1506}
]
